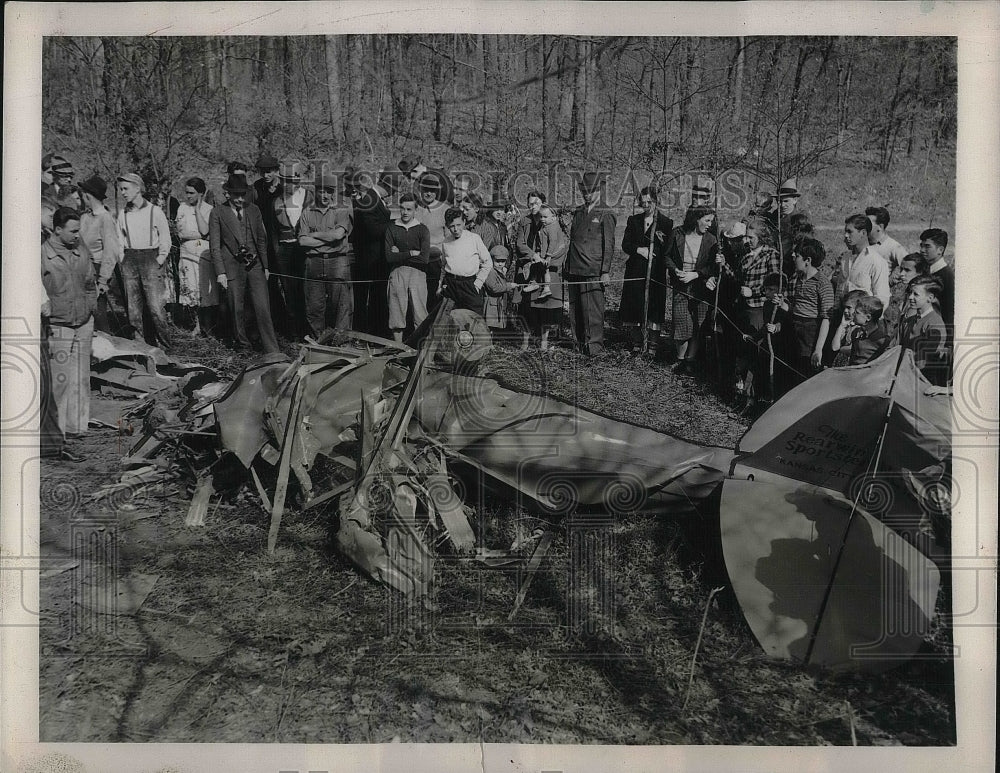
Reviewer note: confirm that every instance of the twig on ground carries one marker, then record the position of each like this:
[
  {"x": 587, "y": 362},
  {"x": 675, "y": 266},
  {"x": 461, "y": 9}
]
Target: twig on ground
[
  {"x": 850, "y": 720},
  {"x": 697, "y": 644}
]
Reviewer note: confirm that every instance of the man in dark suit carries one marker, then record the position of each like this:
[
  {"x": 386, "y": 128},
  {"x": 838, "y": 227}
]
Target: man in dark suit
[
  {"x": 238, "y": 245},
  {"x": 588, "y": 267},
  {"x": 640, "y": 237},
  {"x": 371, "y": 271}
]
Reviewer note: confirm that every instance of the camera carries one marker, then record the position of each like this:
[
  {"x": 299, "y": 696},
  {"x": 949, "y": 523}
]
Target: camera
[{"x": 247, "y": 258}]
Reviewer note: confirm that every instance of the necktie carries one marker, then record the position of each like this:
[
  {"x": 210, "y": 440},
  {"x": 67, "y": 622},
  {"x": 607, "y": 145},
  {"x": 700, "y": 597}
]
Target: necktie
[{"x": 239, "y": 215}]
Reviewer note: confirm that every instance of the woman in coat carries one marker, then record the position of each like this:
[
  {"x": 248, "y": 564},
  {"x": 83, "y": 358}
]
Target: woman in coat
[
  {"x": 640, "y": 235},
  {"x": 691, "y": 261}
]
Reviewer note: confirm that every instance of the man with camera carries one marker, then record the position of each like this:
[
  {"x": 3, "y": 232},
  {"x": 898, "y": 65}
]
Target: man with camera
[{"x": 238, "y": 244}]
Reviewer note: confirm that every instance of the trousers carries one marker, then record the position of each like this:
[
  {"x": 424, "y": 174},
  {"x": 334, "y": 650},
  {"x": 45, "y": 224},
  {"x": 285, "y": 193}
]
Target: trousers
[
  {"x": 326, "y": 284},
  {"x": 586, "y": 299},
  {"x": 69, "y": 354},
  {"x": 50, "y": 436},
  {"x": 145, "y": 288},
  {"x": 407, "y": 290},
  {"x": 240, "y": 282},
  {"x": 288, "y": 259}
]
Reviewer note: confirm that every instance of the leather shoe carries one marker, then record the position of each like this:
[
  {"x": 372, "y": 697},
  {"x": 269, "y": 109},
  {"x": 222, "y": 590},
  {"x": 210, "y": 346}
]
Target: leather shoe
[{"x": 68, "y": 456}]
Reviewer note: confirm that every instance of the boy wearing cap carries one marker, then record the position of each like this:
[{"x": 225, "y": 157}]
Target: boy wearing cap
[
  {"x": 323, "y": 233},
  {"x": 144, "y": 236},
  {"x": 99, "y": 234},
  {"x": 407, "y": 251},
  {"x": 591, "y": 250},
  {"x": 239, "y": 253}
]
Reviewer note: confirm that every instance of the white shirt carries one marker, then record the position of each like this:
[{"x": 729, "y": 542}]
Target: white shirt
[
  {"x": 187, "y": 223},
  {"x": 467, "y": 256},
  {"x": 293, "y": 206},
  {"x": 891, "y": 250},
  {"x": 937, "y": 265},
  {"x": 867, "y": 271}
]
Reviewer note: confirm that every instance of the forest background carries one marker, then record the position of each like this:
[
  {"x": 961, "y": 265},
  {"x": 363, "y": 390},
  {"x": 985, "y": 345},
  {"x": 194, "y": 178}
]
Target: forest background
[{"x": 858, "y": 121}]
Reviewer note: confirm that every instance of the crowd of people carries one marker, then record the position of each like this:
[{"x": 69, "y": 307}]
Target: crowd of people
[{"x": 277, "y": 258}]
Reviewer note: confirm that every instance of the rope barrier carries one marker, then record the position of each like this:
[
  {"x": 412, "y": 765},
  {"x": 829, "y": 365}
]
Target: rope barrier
[{"x": 676, "y": 291}]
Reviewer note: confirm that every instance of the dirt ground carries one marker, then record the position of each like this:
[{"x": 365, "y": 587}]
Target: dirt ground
[{"x": 233, "y": 645}]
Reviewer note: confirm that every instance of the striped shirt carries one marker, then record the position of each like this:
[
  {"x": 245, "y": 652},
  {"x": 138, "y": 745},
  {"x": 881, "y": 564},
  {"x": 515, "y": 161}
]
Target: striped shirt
[{"x": 812, "y": 298}]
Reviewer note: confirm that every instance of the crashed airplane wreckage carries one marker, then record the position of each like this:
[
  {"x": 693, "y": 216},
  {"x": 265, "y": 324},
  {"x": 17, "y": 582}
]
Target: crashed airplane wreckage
[{"x": 820, "y": 505}]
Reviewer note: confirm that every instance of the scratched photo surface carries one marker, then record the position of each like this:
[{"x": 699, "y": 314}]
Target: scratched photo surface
[{"x": 536, "y": 389}]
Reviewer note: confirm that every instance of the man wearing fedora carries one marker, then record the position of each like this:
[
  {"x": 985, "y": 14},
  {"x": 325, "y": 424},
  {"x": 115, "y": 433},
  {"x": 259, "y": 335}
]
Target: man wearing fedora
[
  {"x": 323, "y": 234},
  {"x": 371, "y": 274},
  {"x": 788, "y": 204},
  {"x": 99, "y": 234},
  {"x": 591, "y": 249},
  {"x": 239, "y": 254},
  {"x": 288, "y": 207},
  {"x": 426, "y": 178},
  {"x": 144, "y": 238}
]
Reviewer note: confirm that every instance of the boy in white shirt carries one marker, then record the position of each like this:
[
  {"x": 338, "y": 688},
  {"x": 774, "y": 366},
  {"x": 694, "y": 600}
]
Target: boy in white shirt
[{"x": 466, "y": 264}]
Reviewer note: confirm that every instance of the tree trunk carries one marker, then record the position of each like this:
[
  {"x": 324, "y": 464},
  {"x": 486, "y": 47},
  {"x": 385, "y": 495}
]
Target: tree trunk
[
  {"x": 358, "y": 89},
  {"x": 738, "y": 83},
  {"x": 286, "y": 74},
  {"x": 543, "y": 43},
  {"x": 396, "y": 93},
  {"x": 332, "y": 50},
  {"x": 590, "y": 99},
  {"x": 579, "y": 93},
  {"x": 566, "y": 81},
  {"x": 492, "y": 96},
  {"x": 479, "y": 59},
  {"x": 258, "y": 70},
  {"x": 211, "y": 64},
  {"x": 108, "y": 79}
]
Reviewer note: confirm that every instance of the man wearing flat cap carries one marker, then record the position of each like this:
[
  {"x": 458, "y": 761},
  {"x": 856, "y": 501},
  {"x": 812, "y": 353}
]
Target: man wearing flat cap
[
  {"x": 588, "y": 266},
  {"x": 294, "y": 199},
  {"x": 238, "y": 246},
  {"x": 324, "y": 232},
  {"x": 144, "y": 238},
  {"x": 57, "y": 174}
]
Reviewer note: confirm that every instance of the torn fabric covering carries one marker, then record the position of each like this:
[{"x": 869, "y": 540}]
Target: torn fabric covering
[
  {"x": 781, "y": 541},
  {"x": 826, "y": 432},
  {"x": 135, "y": 367},
  {"x": 109, "y": 347},
  {"x": 240, "y": 410},
  {"x": 823, "y": 431},
  {"x": 561, "y": 455}
]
